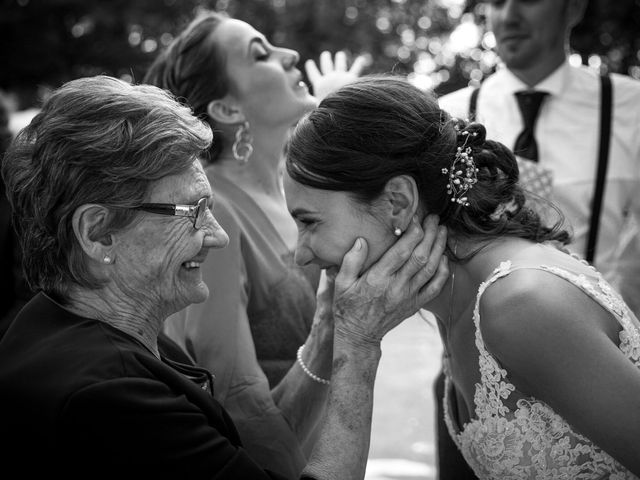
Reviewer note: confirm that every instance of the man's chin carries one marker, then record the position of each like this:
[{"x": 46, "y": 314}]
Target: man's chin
[{"x": 515, "y": 56}]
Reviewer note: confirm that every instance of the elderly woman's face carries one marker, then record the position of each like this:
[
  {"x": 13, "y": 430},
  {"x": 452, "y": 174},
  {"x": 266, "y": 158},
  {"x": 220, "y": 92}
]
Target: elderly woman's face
[
  {"x": 329, "y": 223},
  {"x": 158, "y": 259}
]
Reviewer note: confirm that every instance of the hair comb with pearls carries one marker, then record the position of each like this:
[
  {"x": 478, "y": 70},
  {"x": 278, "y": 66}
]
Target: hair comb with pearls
[{"x": 463, "y": 173}]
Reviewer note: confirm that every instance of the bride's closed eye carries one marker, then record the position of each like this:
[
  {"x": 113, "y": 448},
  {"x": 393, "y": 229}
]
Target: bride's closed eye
[{"x": 306, "y": 222}]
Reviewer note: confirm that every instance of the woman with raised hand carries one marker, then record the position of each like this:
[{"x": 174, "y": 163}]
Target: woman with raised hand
[{"x": 542, "y": 356}]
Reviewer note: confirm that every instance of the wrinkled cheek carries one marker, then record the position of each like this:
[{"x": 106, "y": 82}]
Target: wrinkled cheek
[
  {"x": 154, "y": 278},
  {"x": 171, "y": 270},
  {"x": 156, "y": 271},
  {"x": 168, "y": 273}
]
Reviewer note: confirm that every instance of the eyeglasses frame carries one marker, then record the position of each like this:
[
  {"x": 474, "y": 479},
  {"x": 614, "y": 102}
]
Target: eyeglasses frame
[{"x": 191, "y": 211}]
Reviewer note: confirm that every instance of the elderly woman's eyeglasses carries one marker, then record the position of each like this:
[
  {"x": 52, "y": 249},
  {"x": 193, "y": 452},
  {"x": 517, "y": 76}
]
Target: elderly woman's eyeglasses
[{"x": 198, "y": 211}]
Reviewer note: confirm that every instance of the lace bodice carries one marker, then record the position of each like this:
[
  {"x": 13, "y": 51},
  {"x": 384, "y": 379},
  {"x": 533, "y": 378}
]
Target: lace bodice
[{"x": 515, "y": 437}]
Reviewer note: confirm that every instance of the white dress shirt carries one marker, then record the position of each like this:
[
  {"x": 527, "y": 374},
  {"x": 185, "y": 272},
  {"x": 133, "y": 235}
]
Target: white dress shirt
[{"x": 568, "y": 135}]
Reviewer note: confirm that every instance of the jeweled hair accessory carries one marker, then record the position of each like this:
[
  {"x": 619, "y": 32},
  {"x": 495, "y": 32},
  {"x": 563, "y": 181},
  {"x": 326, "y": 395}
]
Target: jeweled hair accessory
[{"x": 463, "y": 174}]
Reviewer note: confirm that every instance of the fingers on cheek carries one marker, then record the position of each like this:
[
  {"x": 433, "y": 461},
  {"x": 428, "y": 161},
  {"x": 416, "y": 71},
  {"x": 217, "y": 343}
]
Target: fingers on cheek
[
  {"x": 415, "y": 228},
  {"x": 441, "y": 238},
  {"x": 431, "y": 268},
  {"x": 418, "y": 261}
]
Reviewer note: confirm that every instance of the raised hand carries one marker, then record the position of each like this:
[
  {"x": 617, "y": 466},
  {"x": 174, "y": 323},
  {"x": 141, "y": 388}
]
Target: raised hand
[{"x": 333, "y": 73}]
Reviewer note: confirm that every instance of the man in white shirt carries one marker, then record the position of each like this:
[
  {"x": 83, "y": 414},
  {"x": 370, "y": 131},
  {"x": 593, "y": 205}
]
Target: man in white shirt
[{"x": 532, "y": 38}]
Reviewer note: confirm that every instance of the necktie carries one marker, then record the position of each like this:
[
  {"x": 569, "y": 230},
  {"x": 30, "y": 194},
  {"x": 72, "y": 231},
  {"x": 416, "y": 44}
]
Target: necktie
[{"x": 529, "y": 103}]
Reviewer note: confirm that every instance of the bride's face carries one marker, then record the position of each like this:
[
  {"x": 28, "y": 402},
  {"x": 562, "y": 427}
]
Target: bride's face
[{"x": 328, "y": 224}]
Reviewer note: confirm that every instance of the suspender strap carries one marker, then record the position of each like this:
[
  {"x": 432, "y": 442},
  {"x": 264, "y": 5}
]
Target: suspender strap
[
  {"x": 601, "y": 173},
  {"x": 473, "y": 102}
]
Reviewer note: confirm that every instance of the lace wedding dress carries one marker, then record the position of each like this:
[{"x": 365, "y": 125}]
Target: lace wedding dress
[{"x": 515, "y": 437}]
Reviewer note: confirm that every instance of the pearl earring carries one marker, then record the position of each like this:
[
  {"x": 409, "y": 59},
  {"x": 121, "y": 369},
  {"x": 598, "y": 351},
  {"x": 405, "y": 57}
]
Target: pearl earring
[
  {"x": 107, "y": 259},
  {"x": 397, "y": 232}
]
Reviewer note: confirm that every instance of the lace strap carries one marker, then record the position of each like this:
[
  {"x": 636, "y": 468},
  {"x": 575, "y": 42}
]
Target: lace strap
[
  {"x": 504, "y": 269},
  {"x": 493, "y": 388}
]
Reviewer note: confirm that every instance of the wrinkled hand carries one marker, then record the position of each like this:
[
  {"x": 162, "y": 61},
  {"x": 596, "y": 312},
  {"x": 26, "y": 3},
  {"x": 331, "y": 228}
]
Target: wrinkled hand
[
  {"x": 332, "y": 74},
  {"x": 324, "y": 297},
  {"x": 411, "y": 273}
]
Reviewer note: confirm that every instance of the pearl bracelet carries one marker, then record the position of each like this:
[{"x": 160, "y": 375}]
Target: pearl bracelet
[{"x": 311, "y": 375}]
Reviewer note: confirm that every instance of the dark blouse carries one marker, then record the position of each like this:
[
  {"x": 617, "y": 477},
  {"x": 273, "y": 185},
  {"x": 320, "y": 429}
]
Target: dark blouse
[{"x": 80, "y": 399}]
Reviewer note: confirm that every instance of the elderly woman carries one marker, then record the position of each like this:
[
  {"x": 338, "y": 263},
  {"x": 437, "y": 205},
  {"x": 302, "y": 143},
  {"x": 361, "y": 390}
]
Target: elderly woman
[{"x": 113, "y": 209}]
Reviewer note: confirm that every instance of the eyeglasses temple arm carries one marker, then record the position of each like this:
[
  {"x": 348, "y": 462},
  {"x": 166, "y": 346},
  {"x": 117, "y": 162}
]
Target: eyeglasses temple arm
[{"x": 167, "y": 209}]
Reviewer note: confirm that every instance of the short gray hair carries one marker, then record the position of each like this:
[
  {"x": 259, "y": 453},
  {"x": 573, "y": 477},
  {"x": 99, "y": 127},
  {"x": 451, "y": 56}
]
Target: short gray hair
[{"x": 96, "y": 140}]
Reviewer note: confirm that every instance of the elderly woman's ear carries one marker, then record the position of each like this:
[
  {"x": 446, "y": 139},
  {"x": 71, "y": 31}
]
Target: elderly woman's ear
[
  {"x": 402, "y": 201},
  {"x": 89, "y": 222}
]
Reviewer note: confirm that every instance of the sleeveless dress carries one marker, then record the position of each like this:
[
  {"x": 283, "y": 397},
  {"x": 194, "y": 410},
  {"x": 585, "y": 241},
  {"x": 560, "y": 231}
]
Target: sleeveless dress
[{"x": 514, "y": 436}]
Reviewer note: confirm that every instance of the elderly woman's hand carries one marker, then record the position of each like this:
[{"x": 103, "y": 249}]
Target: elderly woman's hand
[
  {"x": 324, "y": 297},
  {"x": 333, "y": 74},
  {"x": 411, "y": 273}
]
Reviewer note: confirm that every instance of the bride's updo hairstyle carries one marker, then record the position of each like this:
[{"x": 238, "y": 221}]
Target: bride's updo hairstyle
[{"x": 379, "y": 127}]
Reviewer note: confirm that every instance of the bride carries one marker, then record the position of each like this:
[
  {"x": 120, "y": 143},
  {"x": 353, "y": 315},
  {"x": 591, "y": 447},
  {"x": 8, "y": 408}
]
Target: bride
[{"x": 542, "y": 356}]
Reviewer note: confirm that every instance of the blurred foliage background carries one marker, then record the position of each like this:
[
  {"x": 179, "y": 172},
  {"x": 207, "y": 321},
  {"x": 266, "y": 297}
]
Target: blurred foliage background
[{"x": 439, "y": 44}]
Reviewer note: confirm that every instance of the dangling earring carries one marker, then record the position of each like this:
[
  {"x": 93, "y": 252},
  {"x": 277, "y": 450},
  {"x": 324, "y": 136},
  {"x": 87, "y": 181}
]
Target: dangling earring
[
  {"x": 242, "y": 148},
  {"x": 107, "y": 259},
  {"x": 397, "y": 232}
]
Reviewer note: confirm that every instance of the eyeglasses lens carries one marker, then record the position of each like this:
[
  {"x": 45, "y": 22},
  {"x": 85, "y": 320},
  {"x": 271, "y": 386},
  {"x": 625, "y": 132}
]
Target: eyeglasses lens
[{"x": 201, "y": 213}]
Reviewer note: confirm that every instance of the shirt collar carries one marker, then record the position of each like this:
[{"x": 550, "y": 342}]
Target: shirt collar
[{"x": 554, "y": 84}]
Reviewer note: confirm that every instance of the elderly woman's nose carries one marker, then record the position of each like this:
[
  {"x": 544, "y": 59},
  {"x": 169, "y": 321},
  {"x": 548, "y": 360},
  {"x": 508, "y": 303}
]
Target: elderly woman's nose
[{"x": 215, "y": 235}]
